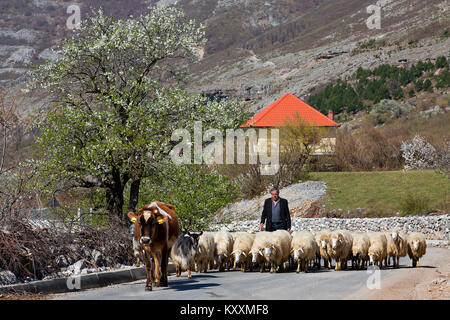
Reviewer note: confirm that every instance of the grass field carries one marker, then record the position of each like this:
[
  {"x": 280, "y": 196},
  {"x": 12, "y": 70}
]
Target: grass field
[{"x": 383, "y": 192}]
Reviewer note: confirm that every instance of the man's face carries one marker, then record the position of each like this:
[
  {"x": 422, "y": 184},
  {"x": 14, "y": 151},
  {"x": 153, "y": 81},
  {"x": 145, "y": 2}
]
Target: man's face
[{"x": 274, "y": 195}]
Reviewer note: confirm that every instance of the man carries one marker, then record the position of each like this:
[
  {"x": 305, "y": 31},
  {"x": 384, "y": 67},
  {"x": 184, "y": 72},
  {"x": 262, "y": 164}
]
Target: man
[{"x": 276, "y": 213}]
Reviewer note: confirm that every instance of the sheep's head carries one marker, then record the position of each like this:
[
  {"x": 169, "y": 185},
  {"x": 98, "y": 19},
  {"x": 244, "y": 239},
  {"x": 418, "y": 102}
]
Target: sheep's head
[
  {"x": 394, "y": 235},
  {"x": 323, "y": 241},
  {"x": 268, "y": 251},
  {"x": 416, "y": 244},
  {"x": 336, "y": 240},
  {"x": 255, "y": 255},
  {"x": 221, "y": 257},
  {"x": 296, "y": 253},
  {"x": 374, "y": 255},
  {"x": 238, "y": 254}
]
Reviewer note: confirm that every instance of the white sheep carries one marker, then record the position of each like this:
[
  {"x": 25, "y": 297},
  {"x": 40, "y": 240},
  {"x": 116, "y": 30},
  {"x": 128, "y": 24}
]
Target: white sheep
[
  {"x": 403, "y": 243},
  {"x": 393, "y": 248},
  {"x": 360, "y": 249},
  {"x": 340, "y": 248},
  {"x": 378, "y": 248},
  {"x": 223, "y": 246},
  {"x": 257, "y": 251},
  {"x": 204, "y": 259},
  {"x": 243, "y": 242},
  {"x": 277, "y": 252},
  {"x": 321, "y": 238},
  {"x": 303, "y": 249},
  {"x": 417, "y": 247}
]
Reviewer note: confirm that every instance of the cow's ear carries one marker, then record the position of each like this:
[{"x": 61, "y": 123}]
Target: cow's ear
[{"x": 132, "y": 216}]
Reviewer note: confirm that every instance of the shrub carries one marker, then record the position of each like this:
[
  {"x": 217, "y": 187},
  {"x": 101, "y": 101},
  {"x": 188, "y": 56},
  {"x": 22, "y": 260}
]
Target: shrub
[
  {"x": 414, "y": 204},
  {"x": 441, "y": 62},
  {"x": 418, "y": 154}
]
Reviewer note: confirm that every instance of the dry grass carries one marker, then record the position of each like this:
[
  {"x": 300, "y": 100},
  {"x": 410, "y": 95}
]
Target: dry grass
[{"x": 24, "y": 296}]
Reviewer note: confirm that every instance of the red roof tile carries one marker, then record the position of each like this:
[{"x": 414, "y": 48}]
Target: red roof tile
[{"x": 285, "y": 109}]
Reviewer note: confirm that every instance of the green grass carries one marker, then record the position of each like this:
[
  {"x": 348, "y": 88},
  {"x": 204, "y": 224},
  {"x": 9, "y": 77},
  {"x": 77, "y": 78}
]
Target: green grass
[{"x": 385, "y": 191}]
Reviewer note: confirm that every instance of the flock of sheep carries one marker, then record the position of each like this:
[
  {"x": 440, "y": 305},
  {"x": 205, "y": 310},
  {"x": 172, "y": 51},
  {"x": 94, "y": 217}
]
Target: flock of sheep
[{"x": 225, "y": 250}]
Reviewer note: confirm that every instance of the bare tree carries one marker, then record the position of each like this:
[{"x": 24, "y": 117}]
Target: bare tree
[{"x": 13, "y": 175}]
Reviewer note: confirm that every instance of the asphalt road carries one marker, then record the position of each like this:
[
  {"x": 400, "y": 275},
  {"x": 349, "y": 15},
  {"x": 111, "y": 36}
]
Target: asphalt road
[{"x": 318, "y": 284}]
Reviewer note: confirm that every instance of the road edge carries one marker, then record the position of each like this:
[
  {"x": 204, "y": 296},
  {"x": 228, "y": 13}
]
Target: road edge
[{"x": 81, "y": 282}]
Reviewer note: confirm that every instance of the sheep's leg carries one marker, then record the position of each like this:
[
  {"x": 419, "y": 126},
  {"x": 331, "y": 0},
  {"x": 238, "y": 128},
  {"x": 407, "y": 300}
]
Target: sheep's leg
[
  {"x": 398, "y": 262},
  {"x": 306, "y": 266},
  {"x": 178, "y": 271},
  {"x": 234, "y": 265},
  {"x": 189, "y": 272},
  {"x": 298, "y": 266}
]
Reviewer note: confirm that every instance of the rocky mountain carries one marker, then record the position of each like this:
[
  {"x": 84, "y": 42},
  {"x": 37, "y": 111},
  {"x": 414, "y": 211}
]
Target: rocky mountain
[{"x": 256, "y": 49}]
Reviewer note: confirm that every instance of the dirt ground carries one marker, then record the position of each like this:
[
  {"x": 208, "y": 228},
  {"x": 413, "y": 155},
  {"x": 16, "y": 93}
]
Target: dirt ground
[{"x": 430, "y": 281}]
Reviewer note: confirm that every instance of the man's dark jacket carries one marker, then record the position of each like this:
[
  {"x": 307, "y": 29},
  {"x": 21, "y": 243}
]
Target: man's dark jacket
[{"x": 266, "y": 216}]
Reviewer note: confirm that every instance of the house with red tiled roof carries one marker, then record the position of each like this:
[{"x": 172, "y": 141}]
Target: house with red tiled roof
[
  {"x": 290, "y": 108},
  {"x": 287, "y": 108}
]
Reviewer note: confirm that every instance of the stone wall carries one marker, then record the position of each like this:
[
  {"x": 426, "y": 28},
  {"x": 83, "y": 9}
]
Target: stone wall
[{"x": 434, "y": 227}]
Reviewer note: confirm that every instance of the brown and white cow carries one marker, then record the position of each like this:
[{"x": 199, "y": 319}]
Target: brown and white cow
[{"x": 156, "y": 230}]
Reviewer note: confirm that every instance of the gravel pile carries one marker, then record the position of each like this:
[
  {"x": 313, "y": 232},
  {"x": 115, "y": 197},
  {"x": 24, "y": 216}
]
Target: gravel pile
[{"x": 296, "y": 194}]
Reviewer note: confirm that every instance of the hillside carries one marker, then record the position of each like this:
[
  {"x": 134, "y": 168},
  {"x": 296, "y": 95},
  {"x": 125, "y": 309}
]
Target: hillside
[{"x": 256, "y": 49}]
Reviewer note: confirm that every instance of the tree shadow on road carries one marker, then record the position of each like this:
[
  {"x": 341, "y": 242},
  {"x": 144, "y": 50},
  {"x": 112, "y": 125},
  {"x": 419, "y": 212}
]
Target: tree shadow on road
[{"x": 190, "y": 284}]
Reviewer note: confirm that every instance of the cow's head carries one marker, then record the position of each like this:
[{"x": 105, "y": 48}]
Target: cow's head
[{"x": 148, "y": 218}]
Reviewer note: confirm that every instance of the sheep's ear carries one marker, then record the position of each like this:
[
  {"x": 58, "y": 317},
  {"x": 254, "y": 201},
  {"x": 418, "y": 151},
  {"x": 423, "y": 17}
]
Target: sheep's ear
[
  {"x": 244, "y": 254},
  {"x": 260, "y": 252},
  {"x": 292, "y": 250},
  {"x": 225, "y": 255}
]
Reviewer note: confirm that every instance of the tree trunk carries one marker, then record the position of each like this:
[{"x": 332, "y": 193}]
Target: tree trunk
[
  {"x": 134, "y": 195},
  {"x": 114, "y": 201}
]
